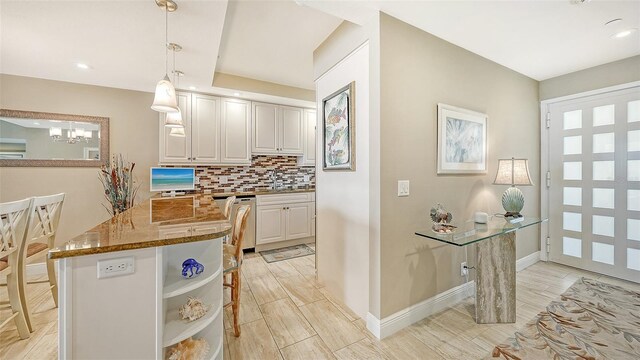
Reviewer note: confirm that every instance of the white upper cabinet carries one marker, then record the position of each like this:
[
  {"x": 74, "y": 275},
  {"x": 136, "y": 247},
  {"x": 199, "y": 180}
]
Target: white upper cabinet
[
  {"x": 291, "y": 130},
  {"x": 277, "y": 130},
  {"x": 176, "y": 149},
  {"x": 309, "y": 154},
  {"x": 217, "y": 131},
  {"x": 205, "y": 129},
  {"x": 235, "y": 140},
  {"x": 265, "y": 129}
]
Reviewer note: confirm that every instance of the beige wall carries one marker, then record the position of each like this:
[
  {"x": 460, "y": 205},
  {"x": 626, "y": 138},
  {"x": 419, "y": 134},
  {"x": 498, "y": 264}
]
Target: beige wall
[
  {"x": 417, "y": 71},
  {"x": 134, "y": 133},
  {"x": 235, "y": 82},
  {"x": 614, "y": 73}
]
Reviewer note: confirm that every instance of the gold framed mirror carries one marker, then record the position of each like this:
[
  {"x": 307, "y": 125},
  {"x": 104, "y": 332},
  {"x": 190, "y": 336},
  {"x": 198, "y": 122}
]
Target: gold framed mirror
[{"x": 38, "y": 139}]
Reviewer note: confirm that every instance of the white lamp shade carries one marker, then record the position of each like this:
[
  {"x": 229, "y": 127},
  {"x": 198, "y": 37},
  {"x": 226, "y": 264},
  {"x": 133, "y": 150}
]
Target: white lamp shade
[
  {"x": 177, "y": 131},
  {"x": 174, "y": 119},
  {"x": 79, "y": 132},
  {"x": 88, "y": 134},
  {"x": 55, "y": 131},
  {"x": 165, "y": 98},
  {"x": 513, "y": 172}
]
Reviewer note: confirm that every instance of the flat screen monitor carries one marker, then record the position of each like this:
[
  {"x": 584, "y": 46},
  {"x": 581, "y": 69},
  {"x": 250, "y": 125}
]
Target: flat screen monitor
[{"x": 172, "y": 179}]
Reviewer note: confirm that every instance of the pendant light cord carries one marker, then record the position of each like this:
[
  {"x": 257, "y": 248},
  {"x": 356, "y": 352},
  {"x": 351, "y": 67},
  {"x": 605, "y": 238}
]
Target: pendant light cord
[{"x": 166, "y": 38}]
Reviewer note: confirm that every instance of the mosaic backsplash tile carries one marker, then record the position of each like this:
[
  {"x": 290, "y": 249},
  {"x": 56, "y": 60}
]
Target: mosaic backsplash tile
[{"x": 222, "y": 179}]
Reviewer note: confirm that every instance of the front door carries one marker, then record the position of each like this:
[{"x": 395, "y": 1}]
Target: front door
[{"x": 594, "y": 192}]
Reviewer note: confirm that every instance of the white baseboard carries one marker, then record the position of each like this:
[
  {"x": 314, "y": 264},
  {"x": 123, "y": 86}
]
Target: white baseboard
[
  {"x": 527, "y": 261},
  {"x": 36, "y": 269},
  {"x": 414, "y": 313}
]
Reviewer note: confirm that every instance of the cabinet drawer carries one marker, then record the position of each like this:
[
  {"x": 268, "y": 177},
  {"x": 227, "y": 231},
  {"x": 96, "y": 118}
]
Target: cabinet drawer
[{"x": 277, "y": 199}]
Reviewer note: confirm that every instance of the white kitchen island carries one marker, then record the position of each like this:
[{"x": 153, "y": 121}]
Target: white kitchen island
[{"x": 120, "y": 284}]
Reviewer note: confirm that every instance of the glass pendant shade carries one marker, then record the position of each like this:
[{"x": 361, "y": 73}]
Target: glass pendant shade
[
  {"x": 174, "y": 119},
  {"x": 177, "y": 131},
  {"x": 165, "y": 98}
]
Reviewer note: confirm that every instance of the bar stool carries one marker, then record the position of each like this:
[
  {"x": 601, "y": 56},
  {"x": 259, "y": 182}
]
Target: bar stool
[
  {"x": 13, "y": 226},
  {"x": 232, "y": 261},
  {"x": 42, "y": 227}
]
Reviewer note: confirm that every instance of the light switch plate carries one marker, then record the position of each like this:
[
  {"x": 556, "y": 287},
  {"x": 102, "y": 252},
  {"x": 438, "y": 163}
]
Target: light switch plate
[
  {"x": 115, "y": 267},
  {"x": 403, "y": 187}
]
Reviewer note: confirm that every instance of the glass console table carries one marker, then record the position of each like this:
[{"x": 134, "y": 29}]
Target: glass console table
[{"x": 495, "y": 264}]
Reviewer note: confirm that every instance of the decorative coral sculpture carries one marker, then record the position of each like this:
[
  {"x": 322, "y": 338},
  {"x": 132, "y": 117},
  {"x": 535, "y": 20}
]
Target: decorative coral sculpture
[
  {"x": 191, "y": 268},
  {"x": 441, "y": 219},
  {"x": 194, "y": 309},
  {"x": 189, "y": 349}
]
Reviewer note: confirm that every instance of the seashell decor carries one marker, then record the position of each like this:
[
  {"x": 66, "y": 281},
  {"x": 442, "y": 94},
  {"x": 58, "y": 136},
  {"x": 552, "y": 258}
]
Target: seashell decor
[
  {"x": 194, "y": 309},
  {"x": 189, "y": 349},
  {"x": 441, "y": 219}
]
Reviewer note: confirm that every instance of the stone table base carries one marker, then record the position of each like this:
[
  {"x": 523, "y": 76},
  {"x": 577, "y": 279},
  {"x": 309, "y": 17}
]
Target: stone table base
[{"x": 496, "y": 280}]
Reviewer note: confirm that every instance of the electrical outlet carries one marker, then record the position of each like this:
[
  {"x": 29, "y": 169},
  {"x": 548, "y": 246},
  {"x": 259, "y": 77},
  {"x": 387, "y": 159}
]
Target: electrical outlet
[
  {"x": 463, "y": 269},
  {"x": 115, "y": 267},
  {"x": 403, "y": 187}
]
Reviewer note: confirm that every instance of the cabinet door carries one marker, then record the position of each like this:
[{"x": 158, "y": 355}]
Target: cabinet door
[
  {"x": 235, "y": 133},
  {"x": 205, "y": 132},
  {"x": 298, "y": 219},
  {"x": 270, "y": 224},
  {"x": 176, "y": 149},
  {"x": 265, "y": 128},
  {"x": 309, "y": 156},
  {"x": 291, "y": 131}
]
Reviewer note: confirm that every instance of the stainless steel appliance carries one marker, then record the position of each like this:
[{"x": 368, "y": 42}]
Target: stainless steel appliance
[{"x": 249, "y": 241}]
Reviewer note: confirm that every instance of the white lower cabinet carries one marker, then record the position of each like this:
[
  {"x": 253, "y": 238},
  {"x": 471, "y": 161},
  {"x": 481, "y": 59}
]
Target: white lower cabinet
[{"x": 284, "y": 217}]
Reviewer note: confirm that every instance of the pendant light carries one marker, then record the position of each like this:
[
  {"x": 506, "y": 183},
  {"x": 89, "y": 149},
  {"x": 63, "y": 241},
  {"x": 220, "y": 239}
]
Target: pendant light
[
  {"x": 177, "y": 131},
  {"x": 174, "y": 119},
  {"x": 165, "y": 97}
]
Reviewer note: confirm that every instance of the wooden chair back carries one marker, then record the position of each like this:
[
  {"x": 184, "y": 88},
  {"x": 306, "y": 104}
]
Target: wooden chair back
[
  {"x": 228, "y": 204},
  {"x": 239, "y": 226},
  {"x": 13, "y": 226},
  {"x": 44, "y": 218}
]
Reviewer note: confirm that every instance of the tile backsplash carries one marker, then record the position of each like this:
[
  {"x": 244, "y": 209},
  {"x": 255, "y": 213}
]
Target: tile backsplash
[{"x": 222, "y": 179}]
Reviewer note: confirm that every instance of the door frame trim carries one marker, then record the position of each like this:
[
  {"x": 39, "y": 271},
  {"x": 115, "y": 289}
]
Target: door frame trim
[{"x": 544, "y": 154}]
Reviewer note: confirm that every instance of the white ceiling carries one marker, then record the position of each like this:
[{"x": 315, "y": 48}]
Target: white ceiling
[
  {"x": 540, "y": 39},
  {"x": 273, "y": 41}
]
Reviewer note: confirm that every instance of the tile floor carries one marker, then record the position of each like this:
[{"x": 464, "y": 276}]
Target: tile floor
[{"x": 286, "y": 314}]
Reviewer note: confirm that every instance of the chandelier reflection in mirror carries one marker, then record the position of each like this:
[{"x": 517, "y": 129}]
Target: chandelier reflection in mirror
[{"x": 73, "y": 135}]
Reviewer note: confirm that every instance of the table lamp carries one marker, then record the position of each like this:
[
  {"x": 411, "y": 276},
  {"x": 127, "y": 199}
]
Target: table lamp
[{"x": 513, "y": 172}]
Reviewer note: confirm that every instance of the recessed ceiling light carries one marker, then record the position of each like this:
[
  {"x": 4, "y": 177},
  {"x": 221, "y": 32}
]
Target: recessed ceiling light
[
  {"x": 192, "y": 88},
  {"x": 36, "y": 123},
  {"x": 623, "y": 33},
  {"x": 83, "y": 66},
  {"x": 236, "y": 94}
]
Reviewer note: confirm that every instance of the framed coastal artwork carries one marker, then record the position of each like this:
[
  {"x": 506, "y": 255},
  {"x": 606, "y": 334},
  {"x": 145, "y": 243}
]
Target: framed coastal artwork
[
  {"x": 462, "y": 141},
  {"x": 339, "y": 133}
]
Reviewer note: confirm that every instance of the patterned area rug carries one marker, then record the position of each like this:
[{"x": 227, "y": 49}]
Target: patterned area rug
[
  {"x": 592, "y": 320},
  {"x": 289, "y": 252}
]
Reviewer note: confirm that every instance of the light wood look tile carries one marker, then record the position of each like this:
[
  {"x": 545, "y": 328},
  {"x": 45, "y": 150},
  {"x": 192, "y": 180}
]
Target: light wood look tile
[
  {"x": 300, "y": 290},
  {"x": 254, "y": 342},
  {"x": 333, "y": 327},
  {"x": 269, "y": 318},
  {"x": 286, "y": 322},
  {"x": 311, "y": 348},
  {"x": 266, "y": 289}
]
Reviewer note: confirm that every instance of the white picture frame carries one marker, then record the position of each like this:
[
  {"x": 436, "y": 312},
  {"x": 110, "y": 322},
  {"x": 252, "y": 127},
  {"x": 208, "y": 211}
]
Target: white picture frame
[{"x": 462, "y": 141}]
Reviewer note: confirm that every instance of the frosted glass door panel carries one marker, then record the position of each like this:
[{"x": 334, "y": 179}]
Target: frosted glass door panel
[
  {"x": 603, "y": 143},
  {"x": 572, "y": 196},
  {"x": 602, "y": 253},
  {"x": 633, "y": 141},
  {"x": 633, "y": 170},
  {"x": 633, "y": 111},
  {"x": 633, "y": 229},
  {"x": 604, "y": 170},
  {"x": 633, "y": 259},
  {"x": 573, "y": 170},
  {"x": 603, "y": 225},
  {"x": 572, "y": 221},
  {"x": 594, "y": 188},
  {"x": 572, "y": 119},
  {"x": 572, "y": 246},
  {"x": 633, "y": 200},
  {"x": 604, "y": 198},
  {"x": 604, "y": 115},
  {"x": 573, "y": 145}
]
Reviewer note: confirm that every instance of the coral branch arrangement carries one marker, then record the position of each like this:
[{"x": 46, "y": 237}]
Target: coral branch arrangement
[{"x": 120, "y": 187}]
